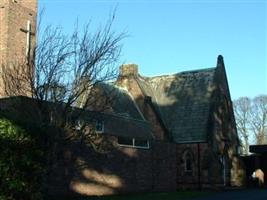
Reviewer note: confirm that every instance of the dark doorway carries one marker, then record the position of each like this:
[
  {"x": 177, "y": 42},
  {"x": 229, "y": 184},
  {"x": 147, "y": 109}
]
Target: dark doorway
[{"x": 259, "y": 160}]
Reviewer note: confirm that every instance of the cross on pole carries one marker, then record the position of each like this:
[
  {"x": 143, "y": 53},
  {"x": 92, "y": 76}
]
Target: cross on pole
[{"x": 29, "y": 33}]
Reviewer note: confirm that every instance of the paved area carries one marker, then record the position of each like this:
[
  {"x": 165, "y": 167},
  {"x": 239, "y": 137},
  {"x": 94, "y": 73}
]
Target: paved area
[{"x": 244, "y": 194}]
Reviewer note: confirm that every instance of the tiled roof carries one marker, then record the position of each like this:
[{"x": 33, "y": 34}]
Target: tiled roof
[
  {"x": 183, "y": 102},
  {"x": 122, "y": 101},
  {"x": 125, "y": 120}
]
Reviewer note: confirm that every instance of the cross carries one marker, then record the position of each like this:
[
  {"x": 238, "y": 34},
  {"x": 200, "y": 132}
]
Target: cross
[{"x": 29, "y": 33}]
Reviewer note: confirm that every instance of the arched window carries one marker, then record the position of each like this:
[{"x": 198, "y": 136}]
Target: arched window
[{"x": 188, "y": 161}]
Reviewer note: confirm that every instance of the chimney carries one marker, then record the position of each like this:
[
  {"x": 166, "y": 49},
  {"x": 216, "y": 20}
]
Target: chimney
[{"x": 129, "y": 70}]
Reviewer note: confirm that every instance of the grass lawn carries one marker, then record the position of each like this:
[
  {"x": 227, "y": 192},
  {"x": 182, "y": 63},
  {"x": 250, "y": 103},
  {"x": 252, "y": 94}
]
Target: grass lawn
[{"x": 179, "y": 195}]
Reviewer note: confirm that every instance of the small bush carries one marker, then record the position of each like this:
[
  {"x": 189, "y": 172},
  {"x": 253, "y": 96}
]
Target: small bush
[{"x": 20, "y": 163}]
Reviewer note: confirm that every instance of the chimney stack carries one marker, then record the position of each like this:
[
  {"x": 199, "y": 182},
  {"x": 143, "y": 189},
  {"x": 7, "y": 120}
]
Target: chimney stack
[{"x": 128, "y": 70}]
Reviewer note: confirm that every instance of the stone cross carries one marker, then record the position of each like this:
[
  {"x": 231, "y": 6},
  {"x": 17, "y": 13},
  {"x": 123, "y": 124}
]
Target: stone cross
[{"x": 29, "y": 33}]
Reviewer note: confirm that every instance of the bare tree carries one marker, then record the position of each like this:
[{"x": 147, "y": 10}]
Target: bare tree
[
  {"x": 251, "y": 119},
  {"x": 66, "y": 70},
  {"x": 65, "y": 76},
  {"x": 242, "y": 109},
  {"x": 259, "y": 119}
]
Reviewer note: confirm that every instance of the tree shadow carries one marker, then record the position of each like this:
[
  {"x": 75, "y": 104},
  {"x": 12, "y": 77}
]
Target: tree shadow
[
  {"x": 196, "y": 108},
  {"x": 76, "y": 168}
]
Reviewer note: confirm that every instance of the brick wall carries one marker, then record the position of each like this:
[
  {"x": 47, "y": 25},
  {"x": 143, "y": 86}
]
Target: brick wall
[
  {"x": 14, "y": 16},
  {"x": 206, "y": 168},
  {"x": 81, "y": 170},
  {"x": 225, "y": 138},
  {"x": 127, "y": 79},
  {"x": 4, "y": 7},
  {"x": 30, "y": 4},
  {"x": 77, "y": 168}
]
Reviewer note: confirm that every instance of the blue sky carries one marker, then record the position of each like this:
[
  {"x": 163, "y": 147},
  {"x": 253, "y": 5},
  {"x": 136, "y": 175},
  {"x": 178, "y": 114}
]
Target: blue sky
[{"x": 178, "y": 35}]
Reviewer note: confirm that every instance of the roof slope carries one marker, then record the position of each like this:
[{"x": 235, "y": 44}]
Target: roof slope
[
  {"x": 121, "y": 100},
  {"x": 114, "y": 124},
  {"x": 125, "y": 120},
  {"x": 183, "y": 102},
  {"x": 127, "y": 127}
]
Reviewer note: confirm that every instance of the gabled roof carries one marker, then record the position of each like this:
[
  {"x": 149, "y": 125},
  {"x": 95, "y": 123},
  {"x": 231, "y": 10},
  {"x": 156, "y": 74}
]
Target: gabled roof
[
  {"x": 183, "y": 101},
  {"x": 125, "y": 120},
  {"x": 122, "y": 101}
]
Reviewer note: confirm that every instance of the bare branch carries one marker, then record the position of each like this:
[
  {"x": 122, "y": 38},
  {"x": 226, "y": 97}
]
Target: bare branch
[{"x": 68, "y": 70}]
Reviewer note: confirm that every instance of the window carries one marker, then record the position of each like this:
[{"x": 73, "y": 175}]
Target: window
[
  {"x": 141, "y": 143},
  {"x": 125, "y": 141},
  {"x": 132, "y": 142},
  {"x": 99, "y": 126},
  {"x": 188, "y": 164},
  {"x": 188, "y": 161}
]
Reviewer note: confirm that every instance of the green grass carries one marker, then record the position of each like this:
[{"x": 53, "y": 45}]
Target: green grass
[{"x": 179, "y": 195}]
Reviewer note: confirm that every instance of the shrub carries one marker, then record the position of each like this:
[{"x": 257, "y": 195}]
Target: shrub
[{"x": 20, "y": 163}]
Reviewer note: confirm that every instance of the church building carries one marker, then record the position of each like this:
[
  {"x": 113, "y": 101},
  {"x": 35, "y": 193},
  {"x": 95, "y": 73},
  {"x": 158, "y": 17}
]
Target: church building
[{"x": 166, "y": 132}]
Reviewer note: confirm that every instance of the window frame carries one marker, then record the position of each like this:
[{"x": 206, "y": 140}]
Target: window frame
[
  {"x": 99, "y": 123},
  {"x": 187, "y": 156},
  {"x": 134, "y": 145},
  {"x": 187, "y": 166}
]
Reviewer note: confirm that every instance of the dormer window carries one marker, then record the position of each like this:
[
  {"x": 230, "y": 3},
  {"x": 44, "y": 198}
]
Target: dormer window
[{"x": 99, "y": 126}]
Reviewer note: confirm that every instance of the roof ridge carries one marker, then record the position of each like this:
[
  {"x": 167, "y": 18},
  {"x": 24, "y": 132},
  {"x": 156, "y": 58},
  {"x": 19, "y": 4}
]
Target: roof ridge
[
  {"x": 157, "y": 110},
  {"x": 178, "y": 73},
  {"x": 125, "y": 90},
  {"x": 197, "y": 70}
]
